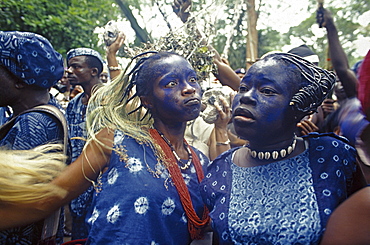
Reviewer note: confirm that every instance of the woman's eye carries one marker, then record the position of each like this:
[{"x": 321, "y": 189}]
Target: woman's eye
[
  {"x": 243, "y": 89},
  {"x": 268, "y": 91},
  {"x": 193, "y": 80},
  {"x": 171, "y": 84}
]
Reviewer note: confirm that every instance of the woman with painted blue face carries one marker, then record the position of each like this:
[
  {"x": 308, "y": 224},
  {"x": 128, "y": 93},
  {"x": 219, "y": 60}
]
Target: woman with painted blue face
[
  {"x": 279, "y": 188},
  {"x": 145, "y": 175}
]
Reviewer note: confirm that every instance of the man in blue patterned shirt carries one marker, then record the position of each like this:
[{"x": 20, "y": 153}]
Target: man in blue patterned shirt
[
  {"x": 84, "y": 68},
  {"x": 29, "y": 66}
]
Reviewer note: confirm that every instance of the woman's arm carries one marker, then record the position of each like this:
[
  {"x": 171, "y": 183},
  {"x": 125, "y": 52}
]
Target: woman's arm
[
  {"x": 350, "y": 222},
  {"x": 226, "y": 75},
  {"x": 219, "y": 139},
  {"x": 113, "y": 66},
  {"x": 339, "y": 58},
  {"x": 75, "y": 179}
]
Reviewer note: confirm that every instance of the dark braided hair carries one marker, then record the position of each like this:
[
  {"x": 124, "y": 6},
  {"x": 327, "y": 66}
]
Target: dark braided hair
[
  {"x": 143, "y": 73},
  {"x": 315, "y": 83}
]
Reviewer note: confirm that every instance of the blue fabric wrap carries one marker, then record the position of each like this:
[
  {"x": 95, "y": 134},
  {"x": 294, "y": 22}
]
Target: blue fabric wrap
[{"x": 31, "y": 58}]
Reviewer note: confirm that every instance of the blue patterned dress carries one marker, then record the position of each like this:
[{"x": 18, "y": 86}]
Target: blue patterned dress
[
  {"x": 30, "y": 130},
  {"x": 3, "y": 115},
  {"x": 76, "y": 118},
  {"x": 285, "y": 202},
  {"x": 134, "y": 206}
]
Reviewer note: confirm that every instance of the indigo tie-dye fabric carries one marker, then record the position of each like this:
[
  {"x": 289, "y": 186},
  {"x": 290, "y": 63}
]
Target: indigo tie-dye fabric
[
  {"x": 31, "y": 57},
  {"x": 76, "y": 118},
  {"x": 285, "y": 202},
  {"x": 30, "y": 130},
  {"x": 134, "y": 206}
]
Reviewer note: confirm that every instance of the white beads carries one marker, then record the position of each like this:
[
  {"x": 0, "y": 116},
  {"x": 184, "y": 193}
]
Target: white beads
[
  {"x": 274, "y": 154},
  {"x": 283, "y": 153},
  {"x": 267, "y": 155},
  {"x": 290, "y": 149},
  {"x": 261, "y": 155},
  {"x": 254, "y": 154}
]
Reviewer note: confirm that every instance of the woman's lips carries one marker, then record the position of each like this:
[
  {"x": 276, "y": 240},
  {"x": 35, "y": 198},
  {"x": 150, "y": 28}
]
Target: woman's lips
[
  {"x": 243, "y": 115},
  {"x": 193, "y": 101}
]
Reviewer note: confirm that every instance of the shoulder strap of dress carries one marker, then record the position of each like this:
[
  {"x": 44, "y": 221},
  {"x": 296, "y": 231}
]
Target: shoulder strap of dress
[
  {"x": 50, "y": 225},
  {"x": 50, "y": 109},
  {"x": 54, "y": 111}
]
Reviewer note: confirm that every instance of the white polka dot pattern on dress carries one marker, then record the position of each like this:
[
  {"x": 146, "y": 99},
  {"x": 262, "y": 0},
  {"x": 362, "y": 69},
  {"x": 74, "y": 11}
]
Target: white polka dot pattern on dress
[
  {"x": 291, "y": 198},
  {"x": 168, "y": 206},
  {"x": 112, "y": 176},
  {"x": 186, "y": 178},
  {"x": 184, "y": 218},
  {"x": 134, "y": 164},
  {"x": 141, "y": 205},
  {"x": 94, "y": 216},
  {"x": 113, "y": 214},
  {"x": 118, "y": 138},
  {"x": 147, "y": 200}
]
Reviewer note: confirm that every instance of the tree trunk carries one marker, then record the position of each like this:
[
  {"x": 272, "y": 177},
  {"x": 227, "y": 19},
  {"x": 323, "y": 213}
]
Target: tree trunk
[
  {"x": 141, "y": 34},
  {"x": 252, "y": 37},
  {"x": 237, "y": 11}
]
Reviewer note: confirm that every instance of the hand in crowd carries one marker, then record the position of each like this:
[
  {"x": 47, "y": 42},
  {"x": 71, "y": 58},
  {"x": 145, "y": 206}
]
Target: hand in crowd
[
  {"x": 225, "y": 75},
  {"x": 182, "y": 9},
  {"x": 75, "y": 91},
  {"x": 307, "y": 126},
  {"x": 219, "y": 140},
  {"x": 224, "y": 113},
  {"x": 111, "y": 55},
  {"x": 325, "y": 17},
  {"x": 328, "y": 106},
  {"x": 117, "y": 44}
]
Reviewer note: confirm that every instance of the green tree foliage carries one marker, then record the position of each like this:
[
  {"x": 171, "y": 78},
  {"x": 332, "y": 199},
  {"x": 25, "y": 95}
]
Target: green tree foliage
[
  {"x": 67, "y": 24},
  {"x": 71, "y": 23},
  {"x": 142, "y": 35},
  {"x": 269, "y": 40},
  {"x": 345, "y": 16}
]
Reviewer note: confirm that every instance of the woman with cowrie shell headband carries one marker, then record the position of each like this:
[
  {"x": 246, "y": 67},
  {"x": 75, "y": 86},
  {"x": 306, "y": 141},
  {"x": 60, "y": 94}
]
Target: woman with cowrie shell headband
[{"x": 279, "y": 188}]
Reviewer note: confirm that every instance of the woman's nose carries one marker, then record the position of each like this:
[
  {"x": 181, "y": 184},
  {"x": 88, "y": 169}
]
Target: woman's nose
[
  {"x": 248, "y": 97},
  {"x": 188, "y": 89}
]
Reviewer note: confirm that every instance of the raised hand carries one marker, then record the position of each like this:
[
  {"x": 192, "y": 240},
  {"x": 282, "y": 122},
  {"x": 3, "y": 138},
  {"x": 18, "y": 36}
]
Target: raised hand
[
  {"x": 182, "y": 9},
  {"x": 328, "y": 106},
  {"x": 307, "y": 126},
  {"x": 224, "y": 113},
  {"x": 117, "y": 44}
]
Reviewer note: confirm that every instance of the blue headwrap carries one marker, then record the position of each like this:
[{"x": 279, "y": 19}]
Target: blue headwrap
[
  {"x": 31, "y": 58},
  {"x": 240, "y": 71},
  {"x": 356, "y": 67},
  {"x": 305, "y": 52},
  {"x": 84, "y": 52}
]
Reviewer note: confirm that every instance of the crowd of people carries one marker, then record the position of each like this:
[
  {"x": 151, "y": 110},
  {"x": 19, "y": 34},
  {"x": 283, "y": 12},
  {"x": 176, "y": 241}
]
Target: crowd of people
[{"x": 125, "y": 155}]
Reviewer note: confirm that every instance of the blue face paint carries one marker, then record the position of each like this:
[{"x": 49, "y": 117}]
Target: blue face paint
[
  {"x": 261, "y": 107},
  {"x": 176, "y": 93}
]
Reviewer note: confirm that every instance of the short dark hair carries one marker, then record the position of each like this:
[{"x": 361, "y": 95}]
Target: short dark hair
[{"x": 92, "y": 61}]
